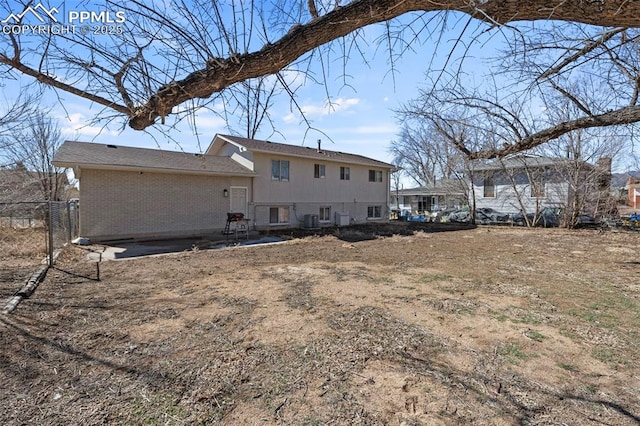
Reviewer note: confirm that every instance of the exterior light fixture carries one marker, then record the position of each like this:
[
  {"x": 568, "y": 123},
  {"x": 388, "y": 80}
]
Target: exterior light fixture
[{"x": 225, "y": 193}]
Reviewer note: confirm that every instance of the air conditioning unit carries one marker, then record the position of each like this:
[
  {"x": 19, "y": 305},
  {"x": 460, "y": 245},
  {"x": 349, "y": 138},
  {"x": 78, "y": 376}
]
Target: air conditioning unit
[
  {"x": 342, "y": 219},
  {"x": 311, "y": 221}
]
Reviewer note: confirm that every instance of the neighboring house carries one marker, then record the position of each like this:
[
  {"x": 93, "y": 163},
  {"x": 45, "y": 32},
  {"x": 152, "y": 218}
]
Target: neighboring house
[
  {"x": 444, "y": 194},
  {"x": 18, "y": 185},
  {"x": 633, "y": 192},
  {"x": 532, "y": 183},
  {"x": 147, "y": 193},
  {"x": 22, "y": 194}
]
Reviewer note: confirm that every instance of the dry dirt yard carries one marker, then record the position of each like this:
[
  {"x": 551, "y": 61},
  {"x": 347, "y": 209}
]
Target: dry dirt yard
[{"x": 488, "y": 326}]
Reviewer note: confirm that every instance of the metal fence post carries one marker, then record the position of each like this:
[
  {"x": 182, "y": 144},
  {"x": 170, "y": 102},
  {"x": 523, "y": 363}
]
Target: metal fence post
[
  {"x": 50, "y": 233},
  {"x": 68, "y": 221}
]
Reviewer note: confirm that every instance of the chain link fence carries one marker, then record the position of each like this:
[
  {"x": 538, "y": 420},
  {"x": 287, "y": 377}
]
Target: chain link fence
[{"x": 30, "y": 235}]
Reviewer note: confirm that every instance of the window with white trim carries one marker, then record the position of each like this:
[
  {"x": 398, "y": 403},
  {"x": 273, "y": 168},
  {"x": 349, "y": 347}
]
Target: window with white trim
[
  {"x": 345, "y": 173},
  {"x": 374, "y": 212},
  {"x": 489, "y": 186},
  {"x": 278, "y": 215},
  {"x": 537, "y": 187},
  {"x": 280, "y": 170},
  {"x": 325, "y": 214},
  {"x": 375, "y": 175},
  {"x": 319, "y": 171}
]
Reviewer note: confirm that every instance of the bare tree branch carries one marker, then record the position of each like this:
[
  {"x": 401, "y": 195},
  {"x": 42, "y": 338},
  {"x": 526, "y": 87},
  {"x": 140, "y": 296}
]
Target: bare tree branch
[
  {"x": 207, "y": 49},
  {"x": 625, "y": 115}
]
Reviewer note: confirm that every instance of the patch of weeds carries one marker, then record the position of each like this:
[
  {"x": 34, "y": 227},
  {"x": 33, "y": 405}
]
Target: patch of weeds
[
  {"x": 502, "y": 318},
  {"x": 527, "y": 318},
  {"x": 608, "y": 356},
  {"x": 156, "y": 408},
  {"x": 591, "y": 389},
  {"x": 382, "y": 280},
  {"x": 570, "y": 334},
  {"x": 512, "y": 352},
  {"x": 535, "y": 335},
  {"x": 466, "y": 311},
  {"x": 340, "y": 274},
  {"x": 299, "y": 296},
  {"x": 454, "y": 306},
  {"x": 429, "y": 278},
  {"x": 569, "y": 367},
  {"x": 611, "y": 309},
  {"x": 594, "y": 315}
]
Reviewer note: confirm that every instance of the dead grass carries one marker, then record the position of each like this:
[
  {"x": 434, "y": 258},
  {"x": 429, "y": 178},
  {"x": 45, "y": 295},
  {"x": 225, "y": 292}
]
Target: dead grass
[
  {"x": 487, "y": 326},
  {"x": 21, "y": 252},
  {"x": 22, "y": 243}
]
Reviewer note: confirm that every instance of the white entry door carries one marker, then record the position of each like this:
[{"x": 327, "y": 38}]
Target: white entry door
[{"x": 239, "y": 200}]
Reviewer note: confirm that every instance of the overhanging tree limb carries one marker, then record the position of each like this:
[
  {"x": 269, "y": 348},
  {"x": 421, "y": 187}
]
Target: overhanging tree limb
[
  {"x": 219, "y": 74},
  {"x": 621, "y": 116},
  {"x": 207, "y": 74}
]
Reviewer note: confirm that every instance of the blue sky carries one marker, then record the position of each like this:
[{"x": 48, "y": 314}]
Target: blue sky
[{"x": 360, "y": 118}]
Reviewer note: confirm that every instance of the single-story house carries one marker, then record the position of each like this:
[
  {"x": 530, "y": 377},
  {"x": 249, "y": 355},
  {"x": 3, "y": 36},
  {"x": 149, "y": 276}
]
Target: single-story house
[
  {"x": 141, "y": 193},
  {"x": 531, "y": 183},
  {"x": 21, "y": 185},
  {"x": 444, "y": 194}
]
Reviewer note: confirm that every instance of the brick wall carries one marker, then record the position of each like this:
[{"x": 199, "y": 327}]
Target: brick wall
[{"x": 124, "y": 204}]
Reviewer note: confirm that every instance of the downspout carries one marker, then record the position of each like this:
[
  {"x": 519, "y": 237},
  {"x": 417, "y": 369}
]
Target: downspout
[{"x": 388, "y": 194}]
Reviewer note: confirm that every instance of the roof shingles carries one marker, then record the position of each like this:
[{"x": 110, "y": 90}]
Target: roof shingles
[
  {"x": 302, "y": 151},
  {"x": 85, "y": 154}
]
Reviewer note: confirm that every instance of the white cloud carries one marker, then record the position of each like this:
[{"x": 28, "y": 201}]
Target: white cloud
[
  {"x": 289, "y": 118},
  {"x": 79, "y": 125},
  {"x": 209, "y": 122},
  {"x": 327, "y": 108},
  {"x": 374, "y": 130}
]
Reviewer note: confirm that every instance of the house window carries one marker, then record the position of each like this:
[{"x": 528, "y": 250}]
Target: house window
[
  {"x": 374, "y": 212},
  {"x": 422, "y": 204},
  {"x": 278, "y": 215},
  {"x": 537, "y": 189},
  {"x": 375, "y": 175},
  {"x": 280, "y": 170},
  {"x": 345, "y": 173},
  {"x": 489, "y": 187},
  {"x": 325, "y": 214},
  {"x": 319, "y": 171}
]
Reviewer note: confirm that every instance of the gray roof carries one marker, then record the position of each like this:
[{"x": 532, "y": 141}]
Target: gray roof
[
  {"x": 522, "y": 161},
  {"x": 94, "y": 155},
  {"x": 302, "y": 151},
  {"x": 19, "y": 185},
  {"x": 441, "y": 187}
]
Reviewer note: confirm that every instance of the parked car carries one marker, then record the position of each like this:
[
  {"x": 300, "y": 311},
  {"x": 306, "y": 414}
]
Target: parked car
[
  {"x": 546, "y": 218},
  {"x": 551, "y": 217},
  {"x": 585, "y": 221},
  {"x": 460, "y": 216},
  {"x": 484, "y": 215},
  {"x": 493, "y": 215}
]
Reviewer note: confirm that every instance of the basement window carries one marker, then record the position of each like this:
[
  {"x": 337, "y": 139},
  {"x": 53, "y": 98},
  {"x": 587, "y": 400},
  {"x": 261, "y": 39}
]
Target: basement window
[{"x": 278, "y": 215}]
